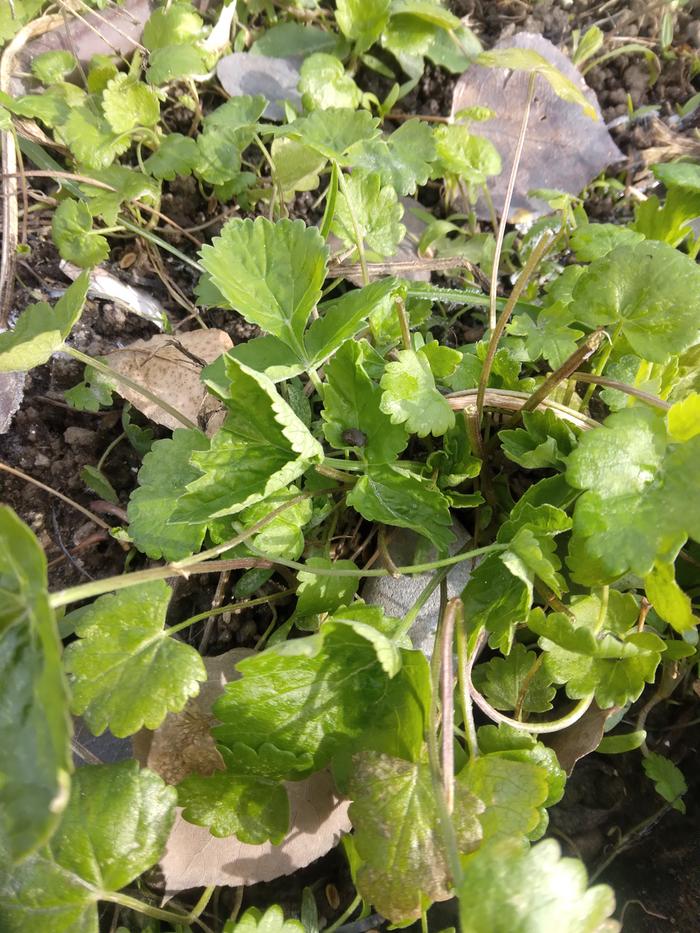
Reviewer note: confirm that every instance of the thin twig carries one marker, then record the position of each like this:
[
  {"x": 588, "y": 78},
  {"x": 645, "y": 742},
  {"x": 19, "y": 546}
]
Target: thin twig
[
  {"x": 54, "y": 492},
  {"x": 452, "y": 615},
  {"x": 509, "y": 196}
]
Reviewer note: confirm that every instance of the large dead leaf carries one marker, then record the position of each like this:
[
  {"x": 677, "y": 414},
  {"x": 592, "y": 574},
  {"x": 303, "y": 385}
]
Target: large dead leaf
[
  {"x": 195, "y": 858},
  {"x": 275, "y": 78},
  {"x": 170, "y": 367},
  {"x": 564, "y": 149}
]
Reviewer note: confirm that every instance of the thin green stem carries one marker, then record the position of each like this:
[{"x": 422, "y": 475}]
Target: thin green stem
[
  {"x": 467, "y": 707},
  {"x": 134, "y": 386},
  {"x": 499, "y": 326},
  {"x": 229, "y": 607},
  {"x": 157, "y": 913},
  {"x": 452, "y": 616},
  {"x": 193, "y": 565},
  {"x": 359, "y": 242},
  {"x": 117, "y": 440},
  {"x": 601, "y": 364},
  {"x": 346, "y": 914},
  {"x": 603, "y": 610},
  {"x": 403, "y": 323},
  {"x": 506, "y": 204}
]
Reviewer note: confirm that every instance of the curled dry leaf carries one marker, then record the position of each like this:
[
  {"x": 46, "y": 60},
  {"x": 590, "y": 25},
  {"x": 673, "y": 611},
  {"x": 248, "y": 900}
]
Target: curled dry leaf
[
  {"x": 11, "y": 395},
  {"x": 579, "y": 740},
  {"x": 195, "y": 858},
  {"x": 108, "y": 287},
  {"x": 564, "y": 149},
  {"x": 170, "y": 366}
]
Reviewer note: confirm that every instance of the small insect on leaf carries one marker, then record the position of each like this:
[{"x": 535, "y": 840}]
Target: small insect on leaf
[{"x": 355, "y": 437}]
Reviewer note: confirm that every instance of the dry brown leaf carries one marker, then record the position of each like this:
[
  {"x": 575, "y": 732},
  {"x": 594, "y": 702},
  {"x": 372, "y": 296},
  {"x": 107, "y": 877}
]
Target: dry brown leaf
[
  {"x": 170, "y": 366},
  {"x": 579, "y": 740},
  {"x": 564, "y": 149},
  {"x": 193, "y": 857}
]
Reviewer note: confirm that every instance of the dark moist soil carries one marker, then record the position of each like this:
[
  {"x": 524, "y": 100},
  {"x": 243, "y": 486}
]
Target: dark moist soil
[{"x": 656, "y": 873}]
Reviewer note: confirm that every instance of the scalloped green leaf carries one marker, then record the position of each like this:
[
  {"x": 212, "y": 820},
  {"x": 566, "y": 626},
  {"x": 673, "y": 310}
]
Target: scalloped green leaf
[
  {"x": 410, "y": 396},
  {"x": 126, "y": 671},
  {"x": 71, "y": 229}
]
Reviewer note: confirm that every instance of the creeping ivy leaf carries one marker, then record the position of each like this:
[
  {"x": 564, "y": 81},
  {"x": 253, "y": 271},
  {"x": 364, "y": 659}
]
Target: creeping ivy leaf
[
  {"x": 509, "y": 742},
  {"x": 395, "y": 496},
  {"x": 508, "y": 888},
  {"x": 251, "y": 808},
  {"x": 163, "y": 478},
  {"x": 51, "y": 67},
  {"x": 351, "y": 404},
  {"x": 272, "y": 921},
  {"x": 649, "y": 291},
  {"x": 334, "y": 131},
  {"x": 71, "y": 229},
  {"x": 175, "y": 24},
  {"x": 668, "y": 599},
  {"x": 128, "y": 103},
  {"x": 297, "y": 166},
  {"x": 410, "y": 396},
  {"x": 403, "y": 160},
  {"x": 550, "y": 336},
  {"x": 591, "y": 241},
  {"x": 126, "y": 671},
  {"x": 288, "y": 39},
  {"x": 325, "y": 83},
  {"x": 272, "y": 274},
  {"x": 512, "y": 791},
  {"x": 34, "y": 723},
  {"x": 283, "y": 536},
  {"x": 509, "y": 682},
  {"x": 545, "y": 441},
  {"x": 261, "y": 448},
  {"x": 615, "y": 670},
  {"x": 459, "y": 152},
  {"x": 176, "y": 155},
  {"x": 91, "y": 139},
  {"x": 684, "y": 418},
  {"x": 41, "y": 329},
  {"x": 114, "y": 828},
  {"x": 668, "y": 779},
  {"x": 375, "y": 210},
  {"x": 397, "y": 834},
  {"x": 642, "y": 496},
  {"x": 306, "y": 697},
  {"x": 317, "y": 594},
  {"x": 362, "y": 20}
]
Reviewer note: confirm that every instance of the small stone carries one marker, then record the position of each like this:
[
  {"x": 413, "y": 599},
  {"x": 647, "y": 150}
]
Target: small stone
[
  {"x": 79, "y": 437},
  {"x": 41, "y": 461}
]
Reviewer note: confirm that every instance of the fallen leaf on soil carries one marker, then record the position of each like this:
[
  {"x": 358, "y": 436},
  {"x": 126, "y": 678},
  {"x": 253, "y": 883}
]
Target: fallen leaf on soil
[
  {"x": 170, "y": 366},
  {"x": 116, "y": 29},
  {"x": 274, "y": 78},
  {"x": 564, "y": 149},
  {"x": 108, "y": 287},
  {"x": 193, "y": 857},
  {"x": 579, "y": 740},
  {"x": 11, "y": 395}
]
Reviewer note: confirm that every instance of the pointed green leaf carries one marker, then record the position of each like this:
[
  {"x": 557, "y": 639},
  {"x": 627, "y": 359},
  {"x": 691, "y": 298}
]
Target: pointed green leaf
[
  {"x": 396, "y": 833},
  {"x": 114, "y": 828},
  {"x": 41, "y": 329},
  {"x": 126, "y": 671},
  {"x": 668, "y": 779},
  {"x": 317, "y": 594},
  {"x": 272, "y": 274},
  {"x": 261, "y": 448},
  {"x": 497, "y": 600},
  {"x": 395, "y": 496},
  {"x": 544, "y": 441},
  {"x": 668, "y": 599},
  {"x": 34, "y": 722}
]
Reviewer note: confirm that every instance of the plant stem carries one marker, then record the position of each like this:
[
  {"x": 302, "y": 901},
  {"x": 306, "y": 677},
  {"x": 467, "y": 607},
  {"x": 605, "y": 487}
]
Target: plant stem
[
  {"x": 499, "y": 326},
  {"x": 601, "y": 364},
  {"x": 346, "y": 914},
  {"x": 647, "y": 397},
  {"x": 359, "y": 242},
  {"x": 132, "y": 903},
  {"x": 194, "y": 565},
  {"x": 54, "y": 492},
  {"x": 467, "y": 707},
  {"x": 134, "y": 386},
  {"x": 403, "y": 323},
  {"x": 453, "y": 615},
  {"x": 506, "y": 204},
  {"x": 108, "y": 451},
  {"x": 230, "y": 607}
]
